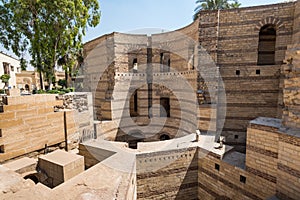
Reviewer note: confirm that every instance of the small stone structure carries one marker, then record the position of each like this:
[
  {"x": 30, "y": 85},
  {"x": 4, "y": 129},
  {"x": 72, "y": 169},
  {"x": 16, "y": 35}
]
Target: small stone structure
[{"x": 60, "y": 166}]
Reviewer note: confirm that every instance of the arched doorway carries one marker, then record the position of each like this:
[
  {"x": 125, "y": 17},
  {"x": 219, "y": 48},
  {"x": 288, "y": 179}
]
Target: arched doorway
[
  {"x": 27, "y": 87},
  {"x": 266, "y": 46}
]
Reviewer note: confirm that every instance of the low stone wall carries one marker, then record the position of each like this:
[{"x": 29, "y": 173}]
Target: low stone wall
[
  {"x": 222, "y": 180},
  {"x": 29, "y": 123},
  {"x": 176, "y": 180},
  {"x": 82, "y": 105}
]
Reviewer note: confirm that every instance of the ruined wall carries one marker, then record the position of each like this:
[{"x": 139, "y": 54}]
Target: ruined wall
[
  {"x": 177, "y": 179},
  {"x": 291, "y": 71},
  {"x": 232, "y": 37},
  {"x": 183, "y": 115},
  {"x": 28, "y": 123},
  {"x": 82, "y": 106},
  {"x": 262, "y": 152}
]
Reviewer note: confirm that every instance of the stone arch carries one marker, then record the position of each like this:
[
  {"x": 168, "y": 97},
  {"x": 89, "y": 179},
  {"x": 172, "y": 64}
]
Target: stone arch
[
  {"x": 269, "y": 20},
  {"x": 27, "y": 88}
]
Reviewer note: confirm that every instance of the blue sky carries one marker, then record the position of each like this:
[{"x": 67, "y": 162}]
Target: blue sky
[{"x": 128, "y": 15}]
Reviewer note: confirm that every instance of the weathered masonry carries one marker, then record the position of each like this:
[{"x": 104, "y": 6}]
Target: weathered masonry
[
  {"x": 248, "y": 45},
  {"x": 169, "y": 83}
]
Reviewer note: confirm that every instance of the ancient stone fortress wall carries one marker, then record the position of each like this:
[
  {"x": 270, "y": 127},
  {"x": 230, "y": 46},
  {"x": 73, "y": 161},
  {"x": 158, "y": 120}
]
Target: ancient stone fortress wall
[
  {"x": 232, "y": 39},
  {"x": 35, "y": 122},
  {"x": 235, "y": 41},
  {"x": 117, "y": 66},
  {"x": 99, "y": 49}
]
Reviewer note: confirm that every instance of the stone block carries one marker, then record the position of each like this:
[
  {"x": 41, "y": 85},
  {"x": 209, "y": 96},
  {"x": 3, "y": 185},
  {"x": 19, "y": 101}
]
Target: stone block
[{"x": 61, "y": 166}]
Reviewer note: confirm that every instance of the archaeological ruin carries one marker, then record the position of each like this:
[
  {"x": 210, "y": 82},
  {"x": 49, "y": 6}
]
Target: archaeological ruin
[{"x": 209, "y": 111}]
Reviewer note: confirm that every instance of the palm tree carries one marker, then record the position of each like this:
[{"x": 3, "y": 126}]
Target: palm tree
[
  {"x": 235, "y": 4},
  {"x": 214, "y": 5}
]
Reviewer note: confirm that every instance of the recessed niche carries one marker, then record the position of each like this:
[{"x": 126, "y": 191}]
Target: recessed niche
[
  {"x": 258, "y": 72},
  {"x": 2, "y": 149},
  {"x": 217, "y": 167},
  {"x": 237, "y": 72},
  {"x": 242, "y": 179}
]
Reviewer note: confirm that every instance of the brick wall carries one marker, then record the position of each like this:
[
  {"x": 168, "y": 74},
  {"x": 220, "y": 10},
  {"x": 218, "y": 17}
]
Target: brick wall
[
  {"x": 225, "y": 183},
  {"x": 28, "y": 123},
  {"x": 291, "y": 117},
  {"x": 177, "y": 179},
  {"x": 273, "y": 155},
  {"x": 231, "y": 37},
  {"x": 288, "y": 173}
]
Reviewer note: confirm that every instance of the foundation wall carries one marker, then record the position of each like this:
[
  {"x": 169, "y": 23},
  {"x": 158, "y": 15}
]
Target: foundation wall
[{"x": 28, "y": 123}]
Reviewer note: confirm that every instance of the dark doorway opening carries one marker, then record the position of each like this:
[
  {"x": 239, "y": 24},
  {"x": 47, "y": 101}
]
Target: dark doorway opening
[
  {"x": 33, "y": 178},
  {"x": 164, "y": 107},
  {"x": 266, "y": 46}
]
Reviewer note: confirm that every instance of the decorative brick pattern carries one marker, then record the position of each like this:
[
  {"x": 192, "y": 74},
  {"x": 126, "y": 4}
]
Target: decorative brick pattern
[
  {"x": 289, "y": 170},
  {"x": 261, "y": 174},
  {"x": 262, "y": 151},
  {"x": 230, "y": 184}
]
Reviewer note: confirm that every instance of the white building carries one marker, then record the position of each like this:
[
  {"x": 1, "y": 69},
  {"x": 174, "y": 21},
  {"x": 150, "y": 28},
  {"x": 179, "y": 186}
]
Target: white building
[{"x": 9, "y": 65}]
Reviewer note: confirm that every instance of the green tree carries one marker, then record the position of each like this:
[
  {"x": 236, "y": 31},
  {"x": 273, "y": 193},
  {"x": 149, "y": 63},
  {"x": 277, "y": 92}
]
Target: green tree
[
  {"x": 235, "y": 4},
  {"x": 46, "y": 29},
  {"x": 214, "y": 5},
  {"x": 23, "y": 64},
  {"x": 70, "y": 63},
  {"x": 5, "y": 79}
]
